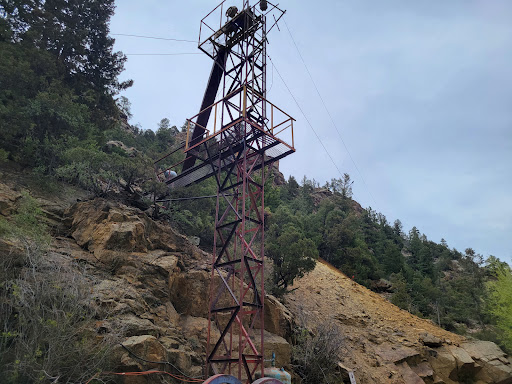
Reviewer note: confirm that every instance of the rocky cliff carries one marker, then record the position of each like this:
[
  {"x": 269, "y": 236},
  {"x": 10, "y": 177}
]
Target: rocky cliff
[{"x": 153, "y": 284}]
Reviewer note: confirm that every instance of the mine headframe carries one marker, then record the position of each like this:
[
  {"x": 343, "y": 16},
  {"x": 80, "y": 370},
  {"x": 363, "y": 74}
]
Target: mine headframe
[{"x": 234, "y": 140}]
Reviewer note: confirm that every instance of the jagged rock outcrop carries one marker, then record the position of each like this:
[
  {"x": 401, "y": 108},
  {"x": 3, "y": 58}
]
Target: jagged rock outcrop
[
  {"x": 495, "y": 366},
  {"x": 158, "y": 290},
  {"x": 278, "y": 175},
  {"x": 381, "y": 285},
  {"x": 130, "y": 151},
  {"x": 319, "y": 195},
  {"x": 151, "y": 285},
  {"x": 278, "y": 319}
]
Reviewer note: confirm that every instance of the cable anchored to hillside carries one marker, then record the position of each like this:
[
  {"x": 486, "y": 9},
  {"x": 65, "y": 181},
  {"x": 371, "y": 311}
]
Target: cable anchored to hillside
[
  {"x": 183, "y": 375},
  {"x": 329, "y": 113},
  {"x": 145, "y": 373},
  {"x": 305, "y": 117}
]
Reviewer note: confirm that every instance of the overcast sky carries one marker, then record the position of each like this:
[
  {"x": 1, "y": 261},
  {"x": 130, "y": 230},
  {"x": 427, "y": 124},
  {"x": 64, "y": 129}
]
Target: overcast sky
[{"x": 420, "y": 91}]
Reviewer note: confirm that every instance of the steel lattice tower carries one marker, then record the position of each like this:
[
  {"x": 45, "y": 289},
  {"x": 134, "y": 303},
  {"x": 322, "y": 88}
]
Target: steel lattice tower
[{"x": 245, "y": 136}]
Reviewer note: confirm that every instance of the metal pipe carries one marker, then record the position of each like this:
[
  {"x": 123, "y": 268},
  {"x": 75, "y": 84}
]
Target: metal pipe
[{"x": 191, "y": 198}]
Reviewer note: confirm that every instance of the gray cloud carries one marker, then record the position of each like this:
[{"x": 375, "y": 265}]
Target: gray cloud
[{"x": 420, "y": 92}]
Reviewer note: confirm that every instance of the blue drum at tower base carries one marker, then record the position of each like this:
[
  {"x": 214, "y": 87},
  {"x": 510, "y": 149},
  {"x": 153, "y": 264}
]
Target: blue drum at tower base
[{"x": 276, "y": 373}]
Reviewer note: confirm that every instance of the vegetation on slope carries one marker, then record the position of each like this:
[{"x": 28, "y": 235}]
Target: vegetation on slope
[
  {"x": 58, "y": 109},
  {"x": 46, "y": 317},
  {"x": 460, "y": 291}
]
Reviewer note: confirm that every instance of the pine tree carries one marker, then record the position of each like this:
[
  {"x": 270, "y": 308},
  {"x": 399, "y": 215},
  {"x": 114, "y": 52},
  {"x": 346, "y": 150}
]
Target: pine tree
[{"x": 75, "y": 32}]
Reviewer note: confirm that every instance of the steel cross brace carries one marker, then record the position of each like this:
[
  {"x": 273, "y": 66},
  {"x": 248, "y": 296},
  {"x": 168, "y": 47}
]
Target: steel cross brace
[{"x": 236, "y": 291}]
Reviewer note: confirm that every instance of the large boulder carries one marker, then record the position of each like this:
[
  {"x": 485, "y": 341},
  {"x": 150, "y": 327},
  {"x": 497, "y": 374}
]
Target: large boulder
[
  {"x": 190, "y": 293},
  {"x": 409, "y": 376},
  {"x": 444, "y": 364},
  {"x": 197, "y": 328},
  {"x": 495, "y": 367},
  {"x": 278, "y": 319},
  {"x": 278, "y": 345},
  {"x": 392, "y": 354},
  {"x": 113, "y": 297},
  {"x": 167, "y": 262},
  {"x": 466, "y": 367},
  {"x": 132, "y": 325},
  {"x": 424, "y": 371},
  {"x": 98, "y": 226},
  {"x": 146, "y": 347},
  {"x": 475, "y": 361},
  {"x": 272, "y": 344},
  {"x": 430, "y": 340},
  {"x": 381, "y": 285}
]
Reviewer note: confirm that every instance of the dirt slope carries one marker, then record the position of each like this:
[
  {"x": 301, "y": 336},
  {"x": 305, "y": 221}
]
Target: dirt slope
[
  {"x": 327, "y": 291},
  {"x": 384, "y": 344}
]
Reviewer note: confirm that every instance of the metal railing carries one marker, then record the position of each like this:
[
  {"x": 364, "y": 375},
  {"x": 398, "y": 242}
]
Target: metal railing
[{"x": 279, "y": 126}]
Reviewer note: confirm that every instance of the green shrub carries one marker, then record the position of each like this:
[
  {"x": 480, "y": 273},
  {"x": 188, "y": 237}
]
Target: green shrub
[
  {"x": 87, "y": 167},
  {"x": 500, "y": 305},
  {"x": 315, "y": 356},
  {"x": 46, "y": 311},
  {"x": 4, "y": 155}
]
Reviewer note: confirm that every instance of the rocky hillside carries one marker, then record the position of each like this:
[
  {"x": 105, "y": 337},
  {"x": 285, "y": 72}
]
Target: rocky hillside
[
  {"x": 152, "y": 284},
  {"x": 385, "y": 344}
]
